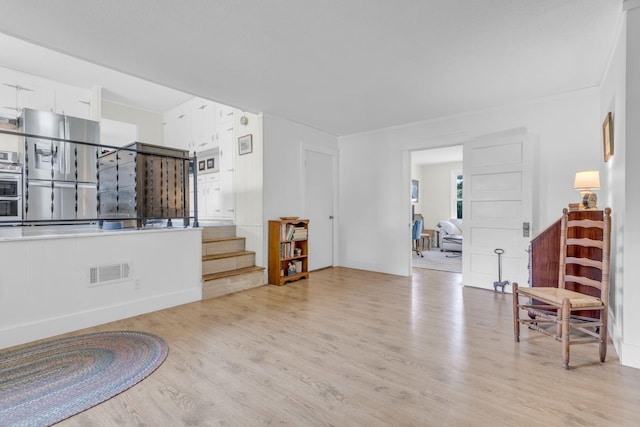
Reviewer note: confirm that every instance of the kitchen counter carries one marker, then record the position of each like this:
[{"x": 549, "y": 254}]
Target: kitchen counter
[{"x": 40, "y": 232}]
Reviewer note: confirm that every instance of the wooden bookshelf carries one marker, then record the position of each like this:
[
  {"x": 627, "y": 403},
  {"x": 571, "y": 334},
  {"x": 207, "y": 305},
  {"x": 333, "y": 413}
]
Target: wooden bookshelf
[{"x": 288, "y": 247}]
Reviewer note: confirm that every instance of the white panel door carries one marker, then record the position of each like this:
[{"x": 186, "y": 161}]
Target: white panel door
[
  {"x": 497, "y": 209},
  {"x": 319, "y": 208}
]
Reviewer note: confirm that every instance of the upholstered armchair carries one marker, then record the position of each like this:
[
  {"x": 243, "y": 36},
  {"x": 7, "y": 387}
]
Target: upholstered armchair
[{"x": 450, "y": 235}]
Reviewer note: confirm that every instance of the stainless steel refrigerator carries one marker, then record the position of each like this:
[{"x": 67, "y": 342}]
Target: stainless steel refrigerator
[{"x": 59, "y": 176}]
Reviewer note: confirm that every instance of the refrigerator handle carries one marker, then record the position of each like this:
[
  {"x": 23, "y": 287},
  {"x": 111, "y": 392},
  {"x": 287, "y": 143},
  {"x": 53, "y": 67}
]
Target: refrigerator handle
[{"x": 67, "y": 152}]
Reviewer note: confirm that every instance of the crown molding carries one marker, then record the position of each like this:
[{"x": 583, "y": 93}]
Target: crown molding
[{"x": 630, "y": 4}]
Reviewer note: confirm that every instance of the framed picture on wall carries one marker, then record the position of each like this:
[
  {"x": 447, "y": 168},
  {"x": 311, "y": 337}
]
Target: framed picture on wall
[
  {"x": 607, "y": 137},
  {"x": 414, "y": 191},
  {"x": 245, "y": 144}
]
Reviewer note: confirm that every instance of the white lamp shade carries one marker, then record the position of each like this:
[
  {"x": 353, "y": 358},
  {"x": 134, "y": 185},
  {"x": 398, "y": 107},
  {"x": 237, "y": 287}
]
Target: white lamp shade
[{"x": 587, "y": 180}]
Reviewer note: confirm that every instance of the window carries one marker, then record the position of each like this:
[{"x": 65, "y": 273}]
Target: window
[{"x": 456, "y": 194}]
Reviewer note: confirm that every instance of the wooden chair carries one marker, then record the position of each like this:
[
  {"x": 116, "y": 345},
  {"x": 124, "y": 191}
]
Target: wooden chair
[
  {"x": 584, "y": 267},
  {"x": 416, "y": 231},
  {"x": 425, "y": 234}
]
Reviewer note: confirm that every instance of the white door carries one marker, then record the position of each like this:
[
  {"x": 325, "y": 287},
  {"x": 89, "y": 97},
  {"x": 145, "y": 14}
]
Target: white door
[
  {"x": 319, "y": 208},
  {"x": 497, "y": 209}
]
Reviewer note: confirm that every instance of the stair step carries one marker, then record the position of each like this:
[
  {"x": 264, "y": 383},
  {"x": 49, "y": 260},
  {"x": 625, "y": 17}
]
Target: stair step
[
  {"x": 227, "y": 261},
  {"x": 230, "y": 273},
  {"x": 223, "y": 245},
  {"x": 218, "y": 232},
  {"x": 219, "y": 284},
  {"x": 226, "y": 255}
]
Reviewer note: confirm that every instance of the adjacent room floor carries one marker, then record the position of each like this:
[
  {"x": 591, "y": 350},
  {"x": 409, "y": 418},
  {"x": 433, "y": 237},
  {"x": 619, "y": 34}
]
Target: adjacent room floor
[{"x": 435, "y": 259}]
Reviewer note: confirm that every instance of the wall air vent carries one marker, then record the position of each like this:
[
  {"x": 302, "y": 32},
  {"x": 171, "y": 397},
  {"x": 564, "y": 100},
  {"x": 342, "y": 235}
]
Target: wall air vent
[{"x": 103, "y": 274}]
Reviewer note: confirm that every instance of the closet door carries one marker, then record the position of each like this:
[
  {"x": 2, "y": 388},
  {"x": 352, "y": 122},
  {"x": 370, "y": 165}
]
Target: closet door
[{"x": 319, "y": 187}]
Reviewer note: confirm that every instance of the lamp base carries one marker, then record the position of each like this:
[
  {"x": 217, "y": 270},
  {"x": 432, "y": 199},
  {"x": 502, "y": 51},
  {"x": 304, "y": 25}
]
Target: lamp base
[{"x": 589, "y": 200}]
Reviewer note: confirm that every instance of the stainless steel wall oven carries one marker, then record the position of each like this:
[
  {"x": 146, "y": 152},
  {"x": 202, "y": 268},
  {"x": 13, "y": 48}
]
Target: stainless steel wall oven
[{"x": 10, "y": 190}]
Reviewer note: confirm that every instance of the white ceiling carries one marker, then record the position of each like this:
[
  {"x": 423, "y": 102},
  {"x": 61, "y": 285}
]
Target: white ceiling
[{"x": 342, "y": 66}]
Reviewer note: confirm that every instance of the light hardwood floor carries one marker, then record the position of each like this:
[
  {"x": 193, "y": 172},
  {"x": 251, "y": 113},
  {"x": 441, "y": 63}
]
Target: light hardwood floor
[{"x": 356, "y": 348}]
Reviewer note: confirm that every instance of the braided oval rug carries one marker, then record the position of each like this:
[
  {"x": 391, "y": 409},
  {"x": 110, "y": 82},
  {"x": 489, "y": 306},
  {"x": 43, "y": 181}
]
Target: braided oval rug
[{"x": 44, "y": 383}]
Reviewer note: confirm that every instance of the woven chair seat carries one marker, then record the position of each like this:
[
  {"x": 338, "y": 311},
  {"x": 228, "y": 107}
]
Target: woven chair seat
[{"x": 554, "y": 296}]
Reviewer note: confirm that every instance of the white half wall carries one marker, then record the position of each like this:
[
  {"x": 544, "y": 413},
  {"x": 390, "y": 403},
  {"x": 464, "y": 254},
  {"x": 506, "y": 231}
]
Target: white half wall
[{"x": 46, "y": 291}]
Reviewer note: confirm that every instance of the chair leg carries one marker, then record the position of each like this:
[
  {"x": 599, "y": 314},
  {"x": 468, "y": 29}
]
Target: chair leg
[
  {"x": 566, "y": 312},
  {"x": 516, "y": 313},
  {"x": 603, "y": 336},
  {"x": 417, "y": 249}
]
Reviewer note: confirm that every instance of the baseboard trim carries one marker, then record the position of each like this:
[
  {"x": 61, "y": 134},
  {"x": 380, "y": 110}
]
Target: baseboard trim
[
  {"x": 630, "y": 355},
  {"x": 50, "y": 327}
]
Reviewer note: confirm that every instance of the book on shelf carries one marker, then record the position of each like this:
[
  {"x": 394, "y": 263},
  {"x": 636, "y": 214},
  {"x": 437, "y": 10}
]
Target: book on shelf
[
  {"x": 287, "y": 231},
  {"x": 299, "y": 233},
  {"x": 291, "y": 232}
]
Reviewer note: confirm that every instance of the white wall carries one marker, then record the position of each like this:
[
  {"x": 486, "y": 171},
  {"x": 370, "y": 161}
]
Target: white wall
[
  {"x": 46, "y": 292},
  {"x": 283, "y": 142},
  {"x": 249, "y": 187},
  {"x": 374, "y": 225},
  {"x": 613, "y": 99},
  {"x": 621, "y": 96},
  {"x": 150, "y": 129},
  {"x": 631, "y": 268}
]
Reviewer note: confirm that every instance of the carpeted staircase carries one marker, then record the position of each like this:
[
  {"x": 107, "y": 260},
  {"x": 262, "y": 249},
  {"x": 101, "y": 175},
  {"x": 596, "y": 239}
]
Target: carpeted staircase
[{"x": 226, "y": 266}]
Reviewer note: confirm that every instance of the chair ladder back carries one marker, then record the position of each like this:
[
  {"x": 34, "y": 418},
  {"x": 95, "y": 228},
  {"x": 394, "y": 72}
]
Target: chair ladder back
[
  {"x": 563, "y": 248},
  {"x": 569, "y": 265},
  {"x": 606, "y": 257}
]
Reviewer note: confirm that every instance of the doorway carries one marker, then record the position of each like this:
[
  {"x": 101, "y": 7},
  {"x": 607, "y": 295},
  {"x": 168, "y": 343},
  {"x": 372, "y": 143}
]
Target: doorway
[{"x": 437, "y": 172}]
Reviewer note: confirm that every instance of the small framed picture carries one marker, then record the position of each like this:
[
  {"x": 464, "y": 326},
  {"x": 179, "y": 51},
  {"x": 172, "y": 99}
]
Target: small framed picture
[
  {"x": 210, "y": 163},
  {"x": 200, "y": 165},
  {"x": 607, "y": 136},
  {"x": 245, "y": 144},
  {"x": 414, "y": 191}
]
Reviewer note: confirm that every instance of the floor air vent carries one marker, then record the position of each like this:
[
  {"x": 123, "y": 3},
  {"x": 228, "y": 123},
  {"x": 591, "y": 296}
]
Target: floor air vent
[{"x": 102, "y": 274}]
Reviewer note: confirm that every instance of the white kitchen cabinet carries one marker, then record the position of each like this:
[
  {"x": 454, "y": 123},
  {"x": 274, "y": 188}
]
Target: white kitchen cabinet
[
  {"x": 213, "y": 193},
  {"x": 8, "y": 101},
  {"x": 205, "y": 125},
  {"x": 34, "y": 96},
  {"x": 203, "y": 112},
  {"x": 178, "y": 129},
  {"x": 223, "y": 114},
  {"x": 20, "y": 90},
  {"x": 227, "y": 170},
  {"x": 208, "y": 196},
  {"x": 72, "y": 101},
  {"x": 23, "y": 93}
]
